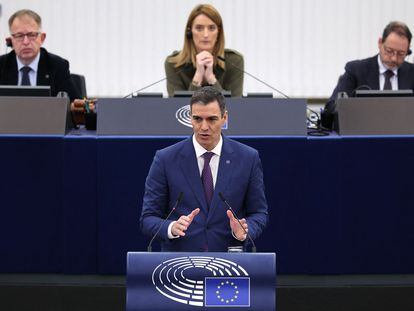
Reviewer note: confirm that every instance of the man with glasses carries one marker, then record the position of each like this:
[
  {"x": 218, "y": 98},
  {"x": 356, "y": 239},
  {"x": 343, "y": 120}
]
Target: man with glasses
[
  {"x": 386, "y": 71},
  {"x": 30, "y": 64}
]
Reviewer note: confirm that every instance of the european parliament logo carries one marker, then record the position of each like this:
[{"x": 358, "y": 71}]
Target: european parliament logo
[
  {"x": 203, "y": 281},
  {"x": 183, "y": 116}
]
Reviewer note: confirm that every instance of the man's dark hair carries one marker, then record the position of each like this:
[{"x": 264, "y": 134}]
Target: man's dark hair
[
  {"x": 399, "y": 28},
  {"x": 209, "y": 94}
]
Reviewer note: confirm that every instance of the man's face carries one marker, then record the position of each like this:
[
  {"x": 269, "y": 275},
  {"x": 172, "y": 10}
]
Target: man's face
[
  {"x": 26, "y": 38},
  {"x": 207, "y": 122},
  {"x": 393, "y": 50}
]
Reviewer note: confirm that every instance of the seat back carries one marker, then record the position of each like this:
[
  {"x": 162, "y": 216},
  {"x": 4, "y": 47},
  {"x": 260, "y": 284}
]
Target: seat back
[{"x": 80, "y": 83}]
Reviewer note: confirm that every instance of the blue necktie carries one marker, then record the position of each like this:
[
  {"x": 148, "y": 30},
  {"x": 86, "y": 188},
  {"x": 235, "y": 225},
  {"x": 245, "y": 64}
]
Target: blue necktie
[
  {"x": 25, "y": 77},
  {"x": 207, "y": 177}
]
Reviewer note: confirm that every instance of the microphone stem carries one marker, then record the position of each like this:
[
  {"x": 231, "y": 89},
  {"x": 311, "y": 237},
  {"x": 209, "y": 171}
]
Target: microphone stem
[
  {"x": 180, "y": 197},
  {"x": 238, "y": 220},
  {"x": 247, "y": 234},
  {"x": 267, "y": 84},
  {"x": 147, "y": 86}
]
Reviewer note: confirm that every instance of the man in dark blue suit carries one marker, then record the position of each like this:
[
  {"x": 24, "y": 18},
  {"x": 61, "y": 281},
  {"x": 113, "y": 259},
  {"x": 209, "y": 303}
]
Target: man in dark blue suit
[
  {"x": 30, "y": 64},
  {"x": 387, "y": 70},
  {"x": 202, "y": 167}
]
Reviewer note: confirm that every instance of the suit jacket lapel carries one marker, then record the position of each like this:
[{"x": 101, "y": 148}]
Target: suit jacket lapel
[
  {"x": 404, "y": 80},
  {"x": 224, "y": 174},
  {"x": 43, "y": 76},
  {"x": 10, "y": 74},
  {"x": 373, "y": 73},
  {"x": 191, "y": 172}
]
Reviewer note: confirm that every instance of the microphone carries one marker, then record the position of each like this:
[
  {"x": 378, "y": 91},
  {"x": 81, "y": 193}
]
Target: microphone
[
  {"x": 156, "y": 82},
  {"x": 178, "y": 201},
  {"x": 269, "y": 86},
  {"x": 238, "y": 220},
  {"x": 145, "y": 87},
  {"x": 361, "y": 87},
  {"x": 254, "y": 77}
]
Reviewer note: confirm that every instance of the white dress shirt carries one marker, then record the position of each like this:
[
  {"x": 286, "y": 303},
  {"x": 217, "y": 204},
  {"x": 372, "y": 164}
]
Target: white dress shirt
[
  {"x": 382, "y": 70},
  {"x": 32, "y": 74}
]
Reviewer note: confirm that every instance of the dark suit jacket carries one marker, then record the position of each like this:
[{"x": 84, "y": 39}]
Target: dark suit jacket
[
  {"x": 175, "y": 170},
  {"x": 364, "y": 74},
  {"x": 53, "y": 71}
]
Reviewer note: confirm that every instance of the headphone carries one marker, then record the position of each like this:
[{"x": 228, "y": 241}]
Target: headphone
[
  {"x": 189, "y": 33},
  {"x": 9, "y": 42},
  {"x": 409, "y": 52}
]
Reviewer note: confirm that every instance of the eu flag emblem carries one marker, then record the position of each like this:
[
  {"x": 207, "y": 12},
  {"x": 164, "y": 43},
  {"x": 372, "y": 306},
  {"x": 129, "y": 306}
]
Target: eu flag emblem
[{"x": 227, "y": 291}]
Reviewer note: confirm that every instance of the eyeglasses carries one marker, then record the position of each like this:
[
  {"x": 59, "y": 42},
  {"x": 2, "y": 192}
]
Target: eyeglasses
[
  {"x": 391, "y": 52},
  {"x": 30, "y": 35}
]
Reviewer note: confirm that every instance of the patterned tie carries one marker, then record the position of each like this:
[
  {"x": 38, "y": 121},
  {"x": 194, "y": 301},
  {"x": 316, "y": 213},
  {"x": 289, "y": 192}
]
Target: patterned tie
[
  {"x": 207, "y": 177},
  {"x": 388, "y": 75},
  {"x": 25, "y": 77}
]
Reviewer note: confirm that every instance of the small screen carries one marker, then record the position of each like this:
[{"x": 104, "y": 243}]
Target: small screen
[
  {"x": 17, "y": 90},
  {"x": 386, "y": 93}
]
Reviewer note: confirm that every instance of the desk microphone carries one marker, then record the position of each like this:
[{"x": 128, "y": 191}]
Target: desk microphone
[
  {"x": 238, "y": 220},
  {"x": 256, "y": 78},
  {"x": 361, "y": 87},
  {"x": 320, "y": 131},
  {"x": 156, "y": 82},
  {"x": 178, "y": 201}
]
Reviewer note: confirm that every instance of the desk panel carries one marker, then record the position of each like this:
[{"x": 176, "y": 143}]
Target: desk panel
[
  {"x": 337, "y": 205},
  {"x": 31, "y": 204},
  {"x": 80, "y": 210}
]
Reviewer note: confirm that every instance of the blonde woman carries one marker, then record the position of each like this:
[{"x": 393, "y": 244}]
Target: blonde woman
[{"x": 200, "y": 62}]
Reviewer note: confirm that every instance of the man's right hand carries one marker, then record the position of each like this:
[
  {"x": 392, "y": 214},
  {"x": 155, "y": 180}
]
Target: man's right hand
[{"x": 182, "y": 224}]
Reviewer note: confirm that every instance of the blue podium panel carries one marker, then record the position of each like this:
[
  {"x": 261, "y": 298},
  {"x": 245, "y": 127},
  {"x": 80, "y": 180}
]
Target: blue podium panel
[
  {"x": 361, "y": 197},
  {"x": 285, "y": 170},
  {"x": 31, "y": 204},
  {"x": 79, "y": 204},
  {"x": 201, "y": 281},
  {"x": 123, "y": 165},
  {"x": 323, "y": 193},
  {"x": 376, "y": 204}
]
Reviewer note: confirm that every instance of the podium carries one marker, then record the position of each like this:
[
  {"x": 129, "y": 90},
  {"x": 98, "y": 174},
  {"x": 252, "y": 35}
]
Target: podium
[
  {"x": 171, "y": 116},
  {"x": 201, "y": 281},
  {"x": 376, "y": 116}
]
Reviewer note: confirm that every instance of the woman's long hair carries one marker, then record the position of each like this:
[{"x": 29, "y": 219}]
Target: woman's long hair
[{"x": 188, "y": 53}]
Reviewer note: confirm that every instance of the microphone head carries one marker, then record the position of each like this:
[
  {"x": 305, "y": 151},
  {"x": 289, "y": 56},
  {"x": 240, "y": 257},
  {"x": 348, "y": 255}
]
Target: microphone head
[{"x": 180, "y": 197}]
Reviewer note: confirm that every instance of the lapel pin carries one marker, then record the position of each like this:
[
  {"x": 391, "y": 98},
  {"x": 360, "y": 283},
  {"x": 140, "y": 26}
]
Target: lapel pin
[
  {"x": 227, "y": 161},
  {"x": 47, "y": 76}
]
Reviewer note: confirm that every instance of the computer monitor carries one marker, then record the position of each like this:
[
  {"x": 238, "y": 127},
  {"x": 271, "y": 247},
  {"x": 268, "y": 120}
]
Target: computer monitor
[
  {"x": 18, "y": 90},
  {"x": 384, "y": 93}
]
